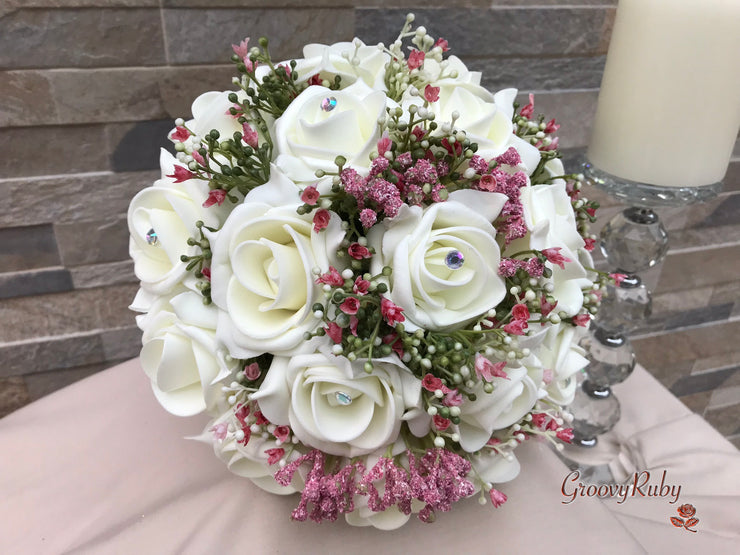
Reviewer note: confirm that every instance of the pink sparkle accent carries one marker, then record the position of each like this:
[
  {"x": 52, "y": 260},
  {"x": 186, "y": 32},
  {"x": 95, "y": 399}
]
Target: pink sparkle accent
[
  {"x": 431, "y": 94},
  {"x": 215, "y": 196},
  {"x": 534, "y": 267},
  {"x": 391, "y": 312},
  {"x": 181, "y": 174},
  {"x": 479, "y": 164},
  {"x": 310, "y": 195},
  {"x": 486, "y": 370},
  {"x": 510, "y": 158},
  {"x": 368, "y": 218},
  {"x": 416, "y": 59}
]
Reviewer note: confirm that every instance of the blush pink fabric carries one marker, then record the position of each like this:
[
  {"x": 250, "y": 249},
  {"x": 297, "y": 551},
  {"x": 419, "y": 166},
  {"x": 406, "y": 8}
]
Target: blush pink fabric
[{"x": 100, "y": 467}]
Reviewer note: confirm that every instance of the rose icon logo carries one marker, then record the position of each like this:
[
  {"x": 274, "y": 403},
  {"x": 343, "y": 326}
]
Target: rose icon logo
[{"x": 686, "y": 511}]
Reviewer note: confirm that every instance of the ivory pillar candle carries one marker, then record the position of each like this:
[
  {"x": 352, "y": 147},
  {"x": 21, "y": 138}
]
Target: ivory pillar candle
[{"x": 669, "y": 107}]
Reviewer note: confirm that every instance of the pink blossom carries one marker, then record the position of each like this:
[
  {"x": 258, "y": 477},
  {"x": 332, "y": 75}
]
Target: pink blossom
[
  {"x": 361, "y": 286},
  {"x": 368, "y": 218},
  {"x": 441, "y": 423},
  {"x": 520, "y": 312},
  {"x": 315, "y": 79},
  {"x": 418, "y": 132},
  {"x": 395, "y": 342},
  {"x": 497, "y": 498},
  {"x": 220, "y": 430},
  {"x": 416, "y": 59},
  {"x": 252, "y": 371},
  {"x": 321, "y": 219},
  {"x": 391, "y": 312},
  {"x": 553, "y": 255},
  {"x": 215, "y": 196},
  {"x": 247, "y": 434},
  {"x": 443, "y": 44},
  {"x": 384, "y": 144},
  {"x": 455, "y": 150},
  {"x": 332, "y": 277},
  {"x": 565, "y": 434},
  {"x": 250, "y": 135},
  {"x": 487, "y": 183},
  {"x": 590, "y": 243},
  {"x": 431, "y": 94},
  {"x": 358, "y": 251},
  {"x": 181, "y": 174},
  {"x": 260, "y": 418},
  {"x": 528, "y": 110},
  {"x": 552, "y": 146},
  {"x": 432, "y": 383},
  {"x": 310, "y": 195},
  {"x": 334, "y": 332},
  {"x": 551, "y": 126},
  {"x": 206, "y": 273},
  {"x": 198, "y": 158},
  {"x": 591, "y": 212},
  {"x": 516, "y": 327},
  {"x": 274, "y": 455},
  {"x": 241, "y": 49},
  {"x": 546, "y": 307},
  {"x": 618, "y": 278},
  {"x": 180, "y": 135},
  {"x": 486, "y": 370},
  {"x": 350, "y": 305},
  {"x": 547, "y": 376},
  {"x": 282, "y": 433},
  {"x": 582, "y": 320},
  {"x": 453, "y": 398},
  {"x": 353, "y": 323}
]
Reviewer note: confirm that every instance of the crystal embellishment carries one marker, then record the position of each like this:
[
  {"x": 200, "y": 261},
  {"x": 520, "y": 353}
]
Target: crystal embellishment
[
  {"x": 343, "y": 398},
  {"x": 151, "y": 237},
  {"x": 328, "y": 104},
  {"x": 454, "y": 260}
]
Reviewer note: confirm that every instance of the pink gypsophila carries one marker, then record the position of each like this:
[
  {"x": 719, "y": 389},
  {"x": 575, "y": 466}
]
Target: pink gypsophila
[
  {"x": 509, "y": 158},
  {"x": 368, "y": 218}
]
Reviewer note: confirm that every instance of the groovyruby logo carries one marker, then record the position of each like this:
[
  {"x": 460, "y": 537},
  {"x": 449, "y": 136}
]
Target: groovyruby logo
[{"x": 687, "y": 512}]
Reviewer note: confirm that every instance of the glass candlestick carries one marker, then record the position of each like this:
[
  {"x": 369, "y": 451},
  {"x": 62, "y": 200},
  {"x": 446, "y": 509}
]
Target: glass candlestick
[{"x": 632, "y": 241}]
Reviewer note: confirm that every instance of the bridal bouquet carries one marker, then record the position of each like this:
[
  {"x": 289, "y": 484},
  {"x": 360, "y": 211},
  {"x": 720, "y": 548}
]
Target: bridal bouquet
[{"x": 371, "y": 273}]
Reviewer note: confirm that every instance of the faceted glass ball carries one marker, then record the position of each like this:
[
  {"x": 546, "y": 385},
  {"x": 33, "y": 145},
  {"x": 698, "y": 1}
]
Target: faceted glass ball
[
  {"x": 592, "y": 415},
  {"x": 626, "y": 307},
  {"x": 610, "y": 356},
  {"x": 634, "y": 240}
]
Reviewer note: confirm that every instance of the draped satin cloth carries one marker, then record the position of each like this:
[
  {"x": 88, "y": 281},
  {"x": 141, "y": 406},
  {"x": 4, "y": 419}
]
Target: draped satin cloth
[{"x": 100, "y": 467}]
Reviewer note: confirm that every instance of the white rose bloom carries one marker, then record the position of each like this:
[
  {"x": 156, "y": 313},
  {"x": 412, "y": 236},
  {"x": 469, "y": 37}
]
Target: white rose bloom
[
  {"x": 261, "y": 270},
  {"x": 211, "y": 111},
  {"x": 493, "y": 468},
  {"x": 311, "y": 133},
  {"x": 333, "y": 405},
  {"x": 350, "y": 60},
  {"x": 180, "y": 354},
  {"x": 551, "y": 223},
  {"x": 437, "y": 288},
  {"x": 511, "y": 399},
  {"x": 161, "y": 219},
  {"x": 561, "y": 354}
]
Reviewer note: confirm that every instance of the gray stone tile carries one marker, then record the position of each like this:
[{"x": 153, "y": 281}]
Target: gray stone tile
[
  {"x": 13, "y": 395},
  {"x": 26, "y": 319},
  {"x": 64, "y": 199},
  {"x": 42, "y": 384},
  {"x": 732, "y": 177},
  {"x": 365, "y": 3},
  {"x": 136, "y": 146},
  {"x": 574, "y": 110},
  {"x": 689, "y": 299},
  {"x": 725, "y": 213},
  {"x": 34, "y": 282},
  {"x": 81, "y": 38},
  {"x": 666, "y": 374},
  {"x": 42, "y": 354},
  {"x": 699, "y": 268},
  {"x": 27, "y": 247},
  {"x": 180, "y": 86},
  {"x": 697, "y": 402},
  {"x": 190, "y": 33},
  {"x": 697, "y": 383},
  {"x": 528, "y": 74},
  {"x": 27, "y": 98},
  {"x": 507, "y": 32},
  {"x": 80, "y": 3},
  {"x": 726, "y": 420},
  {"x": 122, "y": 343},
  {"x": 735, "y": 440},
  {"x": 93, "y": 242},
  {"x": 67, "y": 149},
  {"x": 100, "y": 275},
  {"x": 725, "y": 396},
  {"x": 724, "y": 360},
  {"x": 706, "y": 237}
]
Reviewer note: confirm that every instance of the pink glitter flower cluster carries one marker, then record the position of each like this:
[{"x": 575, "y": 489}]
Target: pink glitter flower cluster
[{"x": 438, "y": 479}]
